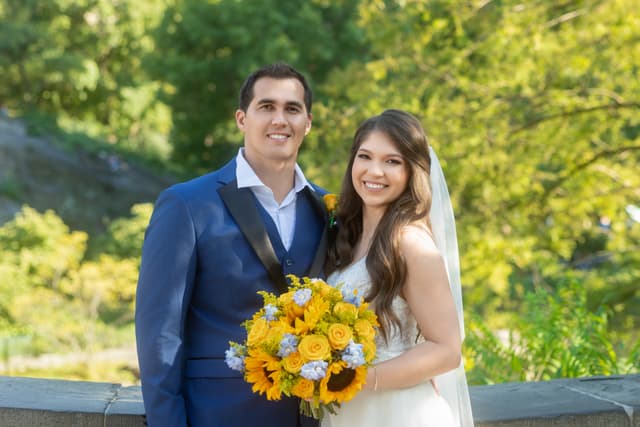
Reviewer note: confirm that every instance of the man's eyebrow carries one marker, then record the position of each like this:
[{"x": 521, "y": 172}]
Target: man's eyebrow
[
  {"x": 273, "y": 101},
  {"x": 265, "y": 101},
  {"x": 295, "y": 103}
]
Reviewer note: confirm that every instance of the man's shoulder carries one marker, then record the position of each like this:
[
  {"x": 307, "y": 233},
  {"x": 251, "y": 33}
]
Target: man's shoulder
[
  {"x": 321, "y": 191},
  {"x": 204, "y": 184}
]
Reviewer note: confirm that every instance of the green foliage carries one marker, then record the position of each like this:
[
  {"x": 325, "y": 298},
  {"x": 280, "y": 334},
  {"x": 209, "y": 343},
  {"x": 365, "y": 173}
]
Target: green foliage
[
  {"x": 124, "y": 236},
  {"x": 86, "y": 300},
  {"x": 558, "y": 336},
  {"x": 80, "y": 60},
  {"x": 39, "y": 249},
  {"x": 533, "y": 113},
  {"x": 104, "y": 290},
  {"x": 532, "y": 107}
]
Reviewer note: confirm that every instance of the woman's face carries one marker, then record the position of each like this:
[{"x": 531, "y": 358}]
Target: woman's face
[{"x": 379, "y": 173}]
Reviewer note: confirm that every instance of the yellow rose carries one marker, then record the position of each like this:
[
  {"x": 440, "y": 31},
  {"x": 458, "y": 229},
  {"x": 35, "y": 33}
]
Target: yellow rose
[
  {"x": 258, "y": 332},
  {"x": 286, "y": 298},
  {"x": 345, "y": 310},
  {"x": 293, "y": 362},
  {"x": 314, "y": 347},
  {"x": 276, "y": 331},
  {"x": 364, "y": 329},
  {"x": 292, "y": 309},
  {"x": 330, "y": 201},
  {"x": 339, "y": 336},
  {"x": 303, "y": 389}
]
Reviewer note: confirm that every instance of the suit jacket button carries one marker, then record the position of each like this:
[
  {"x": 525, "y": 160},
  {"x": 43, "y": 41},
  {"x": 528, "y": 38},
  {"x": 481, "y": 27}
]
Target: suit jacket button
[{"x": 288, "y": 262}]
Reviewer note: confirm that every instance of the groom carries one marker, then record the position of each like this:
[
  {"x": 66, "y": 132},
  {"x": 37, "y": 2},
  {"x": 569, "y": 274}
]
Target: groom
[{"x": 211, "y": 244}]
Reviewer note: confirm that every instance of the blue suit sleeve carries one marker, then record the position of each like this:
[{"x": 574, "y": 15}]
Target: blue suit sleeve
[{"x": 167, "y": 273}]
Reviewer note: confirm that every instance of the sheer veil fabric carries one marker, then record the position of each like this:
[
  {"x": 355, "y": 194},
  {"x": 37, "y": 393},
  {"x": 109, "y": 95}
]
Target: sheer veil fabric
[{"x": 452, "y": 384}]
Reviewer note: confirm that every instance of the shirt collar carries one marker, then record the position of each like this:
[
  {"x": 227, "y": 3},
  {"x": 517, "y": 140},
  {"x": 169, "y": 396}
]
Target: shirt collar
[{"x": 246, "y": 176}]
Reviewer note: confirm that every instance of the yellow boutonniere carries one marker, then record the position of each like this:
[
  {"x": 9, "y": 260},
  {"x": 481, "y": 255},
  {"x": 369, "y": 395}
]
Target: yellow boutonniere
[{"x": 331, "y": 202}]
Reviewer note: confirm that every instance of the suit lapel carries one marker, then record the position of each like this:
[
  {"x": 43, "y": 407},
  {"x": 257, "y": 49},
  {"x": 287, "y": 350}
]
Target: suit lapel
[
  {"x": 318, "y": 261},
  {"x": 242, "y": 207}
]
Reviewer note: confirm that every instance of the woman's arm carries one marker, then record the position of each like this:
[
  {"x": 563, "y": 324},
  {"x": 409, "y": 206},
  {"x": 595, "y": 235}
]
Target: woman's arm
[{"x": 427, "y": 292}]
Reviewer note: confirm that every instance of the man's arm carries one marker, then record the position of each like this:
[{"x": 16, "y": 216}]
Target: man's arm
[{"x": 166, "y": 279}]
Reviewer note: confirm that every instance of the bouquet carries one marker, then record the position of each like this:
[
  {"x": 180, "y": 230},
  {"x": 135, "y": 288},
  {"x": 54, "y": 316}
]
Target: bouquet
[{"x": 314, "y": 342}]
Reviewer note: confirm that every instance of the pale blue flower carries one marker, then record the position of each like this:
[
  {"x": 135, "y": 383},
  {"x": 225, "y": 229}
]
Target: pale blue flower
[
  {"x": 270, "y": 312},
  {"x": 235, "y": 358},
  {"x": 302, "y": 296},
  {"x": 353, "y": 354},
  {"x": 350, "y": 295},
  {"x": 288, "y": 345},
  {"x": 315, "y": 370}
]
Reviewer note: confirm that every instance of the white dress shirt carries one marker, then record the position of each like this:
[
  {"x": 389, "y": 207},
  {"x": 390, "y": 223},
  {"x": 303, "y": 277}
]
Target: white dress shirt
[{"x": 283, "y": 214}]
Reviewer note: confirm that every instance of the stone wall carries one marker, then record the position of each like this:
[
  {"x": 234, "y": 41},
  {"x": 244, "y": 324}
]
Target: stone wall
[
  {"x": 84, "y": 188},
  {"x": 592, "y": 402}
]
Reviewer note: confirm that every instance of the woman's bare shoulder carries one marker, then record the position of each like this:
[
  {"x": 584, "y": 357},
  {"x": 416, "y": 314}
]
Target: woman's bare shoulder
[{"x": 416, "y": 241}]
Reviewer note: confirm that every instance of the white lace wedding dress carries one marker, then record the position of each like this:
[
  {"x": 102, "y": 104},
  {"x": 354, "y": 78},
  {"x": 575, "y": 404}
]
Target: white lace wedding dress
[{"x": 417, "y": 406}]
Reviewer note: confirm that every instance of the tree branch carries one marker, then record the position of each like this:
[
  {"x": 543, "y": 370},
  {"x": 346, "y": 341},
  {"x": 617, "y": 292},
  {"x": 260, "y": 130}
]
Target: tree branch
[
  {"x": 550, "y": 187},
  {"x": 602, "y": 153},
  {"x": 562, "y": 114},
  {"x": 566, "y": 17}
]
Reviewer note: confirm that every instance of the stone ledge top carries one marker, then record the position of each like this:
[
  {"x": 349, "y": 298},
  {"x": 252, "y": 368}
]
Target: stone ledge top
[
  {"x": 611, "y": 400},
  {"x": 66, "y": 396},
  {"x": 617, "y": 396}
]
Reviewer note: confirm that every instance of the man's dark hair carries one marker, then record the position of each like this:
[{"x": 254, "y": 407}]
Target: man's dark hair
[{"x": 278, "y": 70}]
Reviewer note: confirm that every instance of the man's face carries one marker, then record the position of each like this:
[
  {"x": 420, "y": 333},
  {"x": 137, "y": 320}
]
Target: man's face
[{"x": 275, "y": 122}]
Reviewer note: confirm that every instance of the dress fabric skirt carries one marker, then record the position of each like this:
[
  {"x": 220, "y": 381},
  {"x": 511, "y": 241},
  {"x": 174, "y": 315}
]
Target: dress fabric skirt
[{"x": 417, "y": 406}]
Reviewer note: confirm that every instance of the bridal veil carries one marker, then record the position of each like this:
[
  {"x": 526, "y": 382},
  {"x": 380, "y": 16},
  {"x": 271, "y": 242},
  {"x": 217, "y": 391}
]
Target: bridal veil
[{"x": 452, "y": 384}]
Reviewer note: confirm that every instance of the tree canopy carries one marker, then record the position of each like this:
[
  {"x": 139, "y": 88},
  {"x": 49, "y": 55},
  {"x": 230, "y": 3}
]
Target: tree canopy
[{"x": 532, "y": 107}]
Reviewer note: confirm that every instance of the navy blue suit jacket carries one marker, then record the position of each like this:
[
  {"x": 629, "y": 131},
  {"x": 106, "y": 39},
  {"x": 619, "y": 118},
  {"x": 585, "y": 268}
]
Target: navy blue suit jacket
[{"x": 199, "y": 278}]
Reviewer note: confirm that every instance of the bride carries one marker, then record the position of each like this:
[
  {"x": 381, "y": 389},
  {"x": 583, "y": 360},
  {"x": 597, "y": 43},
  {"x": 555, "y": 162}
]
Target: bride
[{"x": 398, "y": 251}]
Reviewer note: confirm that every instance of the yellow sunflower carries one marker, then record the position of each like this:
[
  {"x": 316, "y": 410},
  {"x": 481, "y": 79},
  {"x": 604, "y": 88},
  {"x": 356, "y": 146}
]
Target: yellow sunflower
[
  {"x": 315, "y": 309},
  {"x": 262, "y": 370},
  {"x": 341, "y": 384}
]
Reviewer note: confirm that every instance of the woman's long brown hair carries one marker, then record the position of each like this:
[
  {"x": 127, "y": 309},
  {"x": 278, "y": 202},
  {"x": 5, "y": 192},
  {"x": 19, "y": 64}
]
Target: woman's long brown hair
[{"x": 385, "y": 263}]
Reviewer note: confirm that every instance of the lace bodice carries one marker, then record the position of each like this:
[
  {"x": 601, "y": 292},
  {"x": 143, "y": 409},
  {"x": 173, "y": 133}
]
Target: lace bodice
[{"x": 357, "y": 277}]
